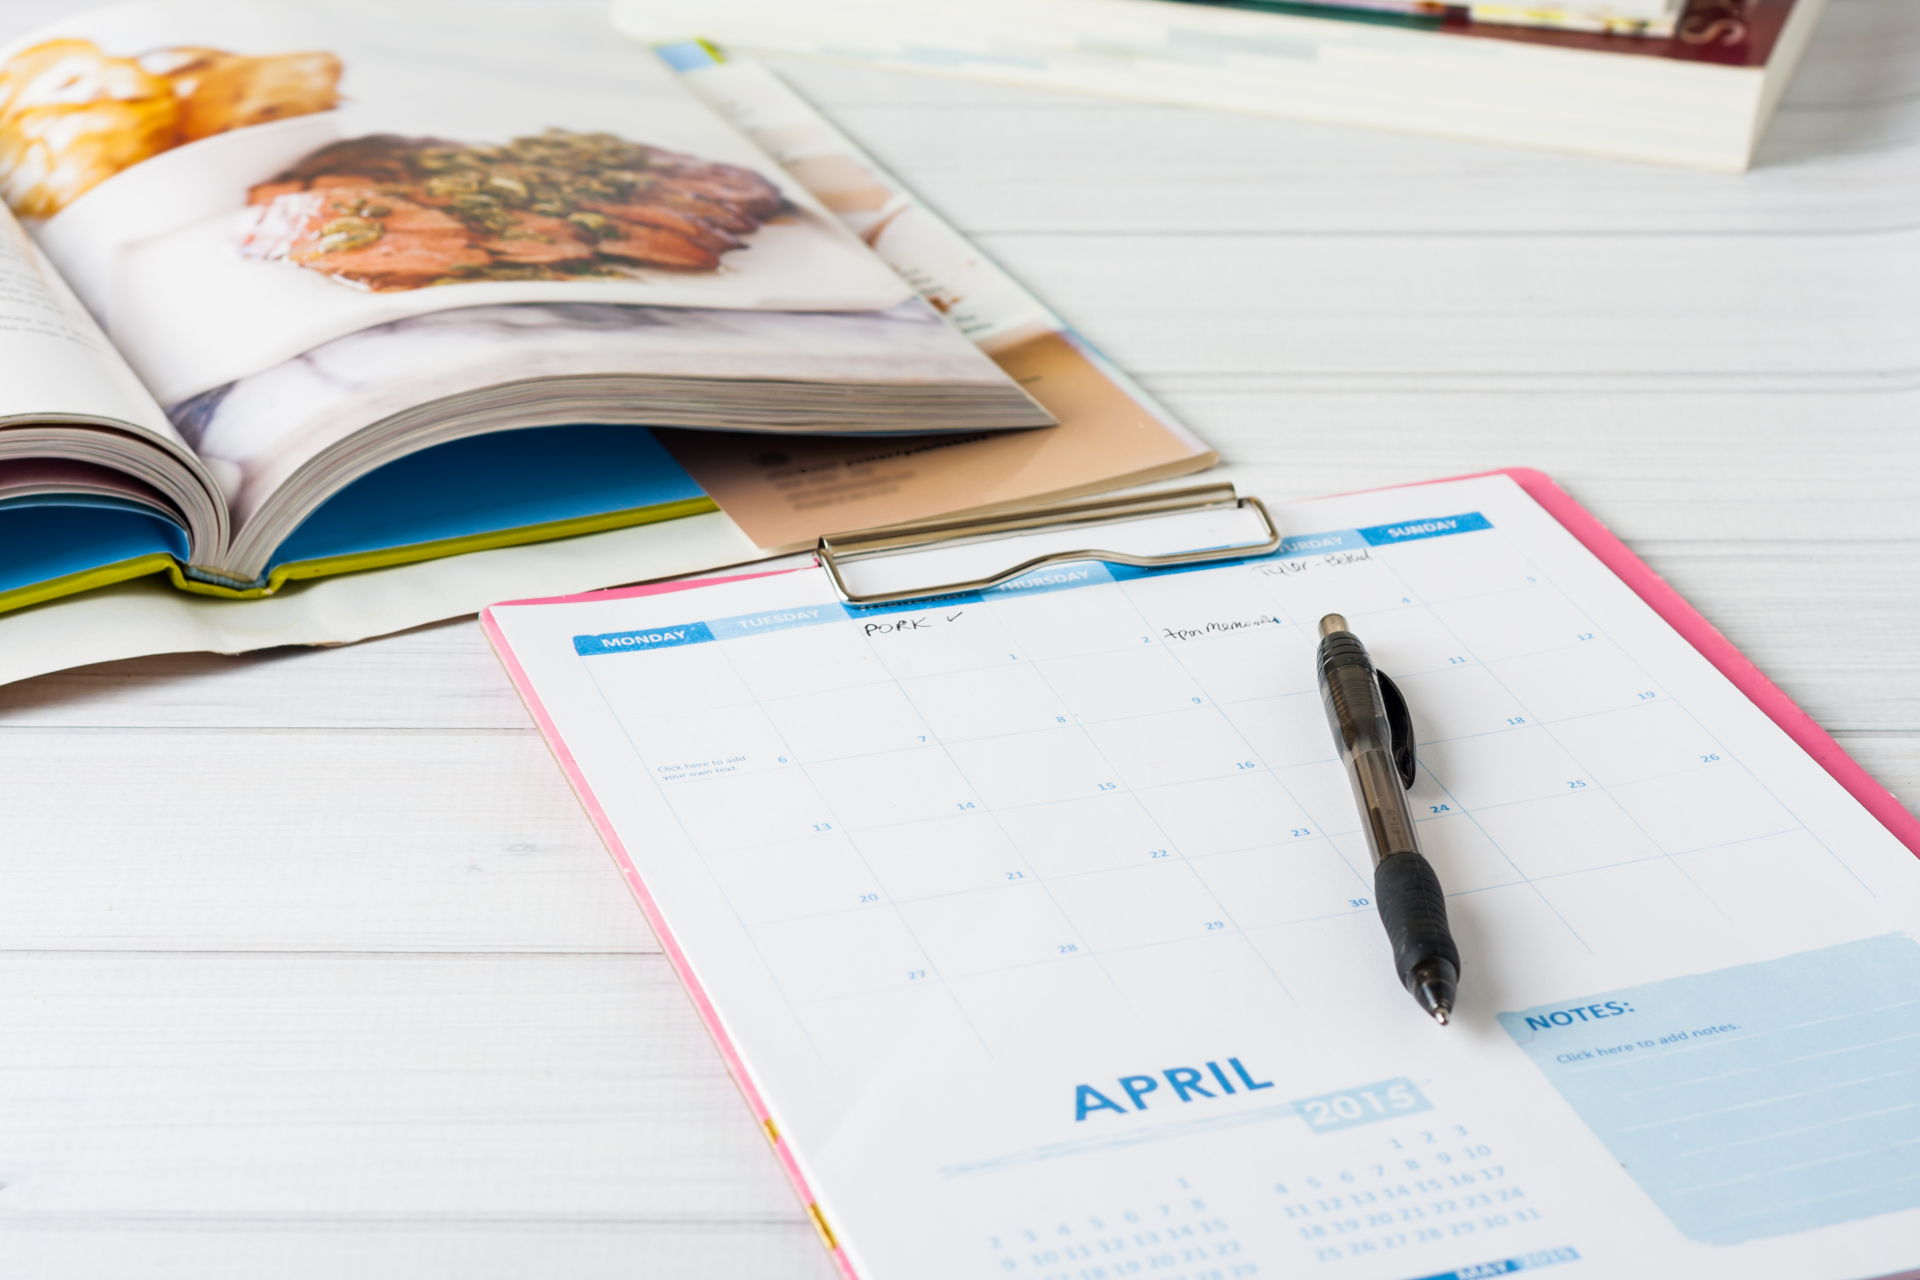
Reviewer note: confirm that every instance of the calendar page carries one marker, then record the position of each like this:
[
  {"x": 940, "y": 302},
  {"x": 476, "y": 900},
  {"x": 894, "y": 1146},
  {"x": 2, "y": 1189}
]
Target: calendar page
[{"x": 1040, "y": 923}]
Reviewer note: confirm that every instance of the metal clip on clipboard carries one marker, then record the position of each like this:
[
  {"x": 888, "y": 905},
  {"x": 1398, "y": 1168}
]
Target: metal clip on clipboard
[{"x": 1209, "y": 522}]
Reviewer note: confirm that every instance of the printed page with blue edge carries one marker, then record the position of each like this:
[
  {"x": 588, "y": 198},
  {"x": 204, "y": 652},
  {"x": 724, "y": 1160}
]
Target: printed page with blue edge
[{"x": 1041, "y": 919}]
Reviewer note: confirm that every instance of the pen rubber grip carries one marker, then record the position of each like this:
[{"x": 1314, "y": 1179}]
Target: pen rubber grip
[{"x": 1414, "y": 911}]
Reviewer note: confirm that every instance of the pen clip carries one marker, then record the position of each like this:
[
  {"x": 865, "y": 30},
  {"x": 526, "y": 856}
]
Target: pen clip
[{"x": 1400, "y": 725}]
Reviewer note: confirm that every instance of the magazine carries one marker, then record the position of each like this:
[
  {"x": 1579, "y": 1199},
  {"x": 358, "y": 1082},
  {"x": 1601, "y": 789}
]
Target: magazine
[{"x": 286, "y": 290}]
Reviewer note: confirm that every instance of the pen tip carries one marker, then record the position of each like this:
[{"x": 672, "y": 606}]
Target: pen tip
[
  {"x": 1432, "y": 984},
  {"x": 1331, "y": 623}
]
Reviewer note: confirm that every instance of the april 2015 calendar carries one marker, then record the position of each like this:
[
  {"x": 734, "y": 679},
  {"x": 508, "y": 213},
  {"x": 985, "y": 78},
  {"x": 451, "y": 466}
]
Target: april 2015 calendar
[{"x": 1038, "y": 924}]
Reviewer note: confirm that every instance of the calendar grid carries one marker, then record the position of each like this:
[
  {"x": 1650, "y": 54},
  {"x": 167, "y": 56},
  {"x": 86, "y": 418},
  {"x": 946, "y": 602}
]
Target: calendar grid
[
  {"x": 1172, "y": 845},
  {"x": 1606, "y": 790},
  {"x": 1435, "y": 741},
  {"x": 932, "y": 968},
  {"x": 1088, "y": 954},
  {"x": 1548, "y": 726},
  {"x": 1453, "y": 801},
  {"x": 1832, "y": 854},
  {"x": 1726, "y": 755},
  {"x": 759, "y": 953},
  {"x": 1518, "y": 879},
  {"x": 970, "y": 712}
]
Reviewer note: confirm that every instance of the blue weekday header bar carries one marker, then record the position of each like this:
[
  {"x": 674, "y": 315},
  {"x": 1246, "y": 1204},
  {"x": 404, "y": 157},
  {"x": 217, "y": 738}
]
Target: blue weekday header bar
[
  {"x": 1385, "y": 535},
  {"x": 1062, "y": 577},
  {"x": 670, "y": 637}
]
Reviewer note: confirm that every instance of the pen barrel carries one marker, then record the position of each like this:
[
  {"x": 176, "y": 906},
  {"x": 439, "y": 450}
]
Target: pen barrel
[
  {"x": 1351, "y": 691},
  {"x": 1383, "y": 804},
  {"x": 1414, "y": 911}
]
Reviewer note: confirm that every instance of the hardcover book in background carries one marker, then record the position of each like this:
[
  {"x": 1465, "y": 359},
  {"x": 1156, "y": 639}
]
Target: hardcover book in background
[
  {"x": 345, "y": 307},
  {"x": 1701, "y": 97}
]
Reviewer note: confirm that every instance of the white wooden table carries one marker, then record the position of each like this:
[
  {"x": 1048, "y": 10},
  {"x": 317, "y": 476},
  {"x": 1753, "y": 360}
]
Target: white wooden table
[{"x": 311, "y": 967}]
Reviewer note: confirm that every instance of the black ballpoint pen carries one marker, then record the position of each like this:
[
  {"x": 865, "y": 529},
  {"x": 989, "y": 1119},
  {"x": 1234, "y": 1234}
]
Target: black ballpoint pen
[{"x": 1375, "y": 737}]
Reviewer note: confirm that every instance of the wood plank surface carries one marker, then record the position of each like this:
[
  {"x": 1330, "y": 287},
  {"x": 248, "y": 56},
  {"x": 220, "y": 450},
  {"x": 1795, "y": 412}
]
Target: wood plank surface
[{"x": 310, "y": 965}]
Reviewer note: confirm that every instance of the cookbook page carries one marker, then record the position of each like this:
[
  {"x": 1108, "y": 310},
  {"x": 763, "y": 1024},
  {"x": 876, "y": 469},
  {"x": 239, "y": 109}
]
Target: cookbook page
[
  {"x": 1040, "y": 918},
  {"x": 54, "y": 361},
  {"x": 245, "y": 181}
]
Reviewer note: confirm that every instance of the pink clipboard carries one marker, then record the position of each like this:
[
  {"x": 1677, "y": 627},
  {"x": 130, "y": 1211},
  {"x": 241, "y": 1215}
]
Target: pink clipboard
[{"x": 1557, "y": 502}]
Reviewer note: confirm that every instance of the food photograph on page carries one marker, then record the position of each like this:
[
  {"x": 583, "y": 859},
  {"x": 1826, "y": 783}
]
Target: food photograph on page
[
  {"x": 76, "y": 115},
  {"x": 385, "y": 212}
]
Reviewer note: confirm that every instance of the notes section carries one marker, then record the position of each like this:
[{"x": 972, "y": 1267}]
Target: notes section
[{"x": 1757, "y": 1101}]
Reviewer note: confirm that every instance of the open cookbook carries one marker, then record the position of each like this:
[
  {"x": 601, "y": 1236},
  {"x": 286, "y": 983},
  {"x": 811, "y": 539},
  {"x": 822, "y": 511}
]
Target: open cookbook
[{"x": 291, "y": 292}]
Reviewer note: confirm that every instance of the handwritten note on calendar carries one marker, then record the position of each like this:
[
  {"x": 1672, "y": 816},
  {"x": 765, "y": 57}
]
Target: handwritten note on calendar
[{"x": 1040, "y": 921}]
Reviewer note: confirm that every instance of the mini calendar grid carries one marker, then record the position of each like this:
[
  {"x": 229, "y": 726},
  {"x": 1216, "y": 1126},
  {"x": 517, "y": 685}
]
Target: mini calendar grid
[{"x": 1110, "y": 784}]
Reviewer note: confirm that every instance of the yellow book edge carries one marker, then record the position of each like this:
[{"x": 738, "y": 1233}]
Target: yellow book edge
[{"x": 328, "y": 566}]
